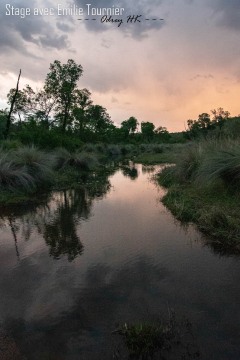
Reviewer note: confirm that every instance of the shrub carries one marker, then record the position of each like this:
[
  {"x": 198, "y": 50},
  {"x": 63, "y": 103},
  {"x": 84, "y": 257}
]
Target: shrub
[
  {"x": 89, "y": 148},
  {"x": 100, "y": 148},
  {"x": 128, "y": 148},
  {"x": 10, "y": 144},
  {"x": 114, "y": 150}
]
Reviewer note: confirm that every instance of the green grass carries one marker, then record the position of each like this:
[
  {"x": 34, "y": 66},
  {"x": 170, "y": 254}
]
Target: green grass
[
  {"x": 203, "y": 189},
  {"x": 153, "y": 159},
  {"x": 158, "y": 340},
  {"x": 78, "y": 160},
  {"x": 38, "y": 164},
  {"x": 153, "y": 154},
  {"x": 13, "y": 176},
  {"x": 27, "y": 170}
]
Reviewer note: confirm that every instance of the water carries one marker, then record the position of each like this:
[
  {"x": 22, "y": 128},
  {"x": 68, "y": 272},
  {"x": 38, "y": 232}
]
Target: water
[{"x": 81, "y": 262}]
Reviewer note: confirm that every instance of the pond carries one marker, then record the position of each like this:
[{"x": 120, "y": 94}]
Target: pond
[{"x": 82, "y": 262}]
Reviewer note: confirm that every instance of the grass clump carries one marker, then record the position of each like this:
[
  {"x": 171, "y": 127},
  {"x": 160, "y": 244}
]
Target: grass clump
[
  {"x": 25, "y": 170},
  {"x": 144, "y": 339},
  {"x": 78, "y": 160},
  {"x": 37, "y": 163},
  {"x": 222, "y": 165},
  {"x": 158, "y": 340},
  {"x": 13, "y": 177}
]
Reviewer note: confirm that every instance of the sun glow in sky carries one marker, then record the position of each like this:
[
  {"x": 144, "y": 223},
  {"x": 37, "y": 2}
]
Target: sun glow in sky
[{"x": 165, "y": 71}]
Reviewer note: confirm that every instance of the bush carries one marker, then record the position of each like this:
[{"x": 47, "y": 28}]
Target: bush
[
  {"x": 114, "y": 150},
  {"x": 48, "y": 139},
  {"x": 10, "y": 144},
  {"x": 89, "y": 148}
]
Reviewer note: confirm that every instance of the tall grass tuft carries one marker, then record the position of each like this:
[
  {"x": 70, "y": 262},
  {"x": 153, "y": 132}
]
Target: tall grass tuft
[
  {"x": 13, "y": 177},
  {"x": 221, "y": 165},
  {"x": 79, "y": 160},
  {"x": 83, "y": 161},
  {"x": 207, "y": 162},
  {"x": 189, "y": 163},
  {"x": 37, "y": 163}
]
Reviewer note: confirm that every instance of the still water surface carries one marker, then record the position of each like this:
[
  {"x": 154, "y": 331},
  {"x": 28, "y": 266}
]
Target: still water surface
[{"x": 77, "y": 265}]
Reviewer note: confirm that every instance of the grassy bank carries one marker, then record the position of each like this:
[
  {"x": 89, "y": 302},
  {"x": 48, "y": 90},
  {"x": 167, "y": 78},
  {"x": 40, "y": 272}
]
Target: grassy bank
[
  {"x": 203, "y": 188},
  {"x": 27, "y": 172},
  {"x": 158, "y": 154}
]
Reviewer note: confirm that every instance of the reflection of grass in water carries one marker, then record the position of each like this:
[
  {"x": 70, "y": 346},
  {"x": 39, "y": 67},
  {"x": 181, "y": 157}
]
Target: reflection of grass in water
[
  {"x": 157, "y": 340},
  {"x": 148, "y": 169}
]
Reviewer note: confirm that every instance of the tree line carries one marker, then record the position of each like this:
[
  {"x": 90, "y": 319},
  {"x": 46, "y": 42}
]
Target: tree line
[
  {"x": 61, "y": 114},
  {"x": 62, "y": 108}
]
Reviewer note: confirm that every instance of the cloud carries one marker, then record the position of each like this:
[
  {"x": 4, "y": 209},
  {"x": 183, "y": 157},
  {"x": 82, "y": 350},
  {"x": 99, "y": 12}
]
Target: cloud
[
  {"x": 205, "y": 77},
  {"x": 137, "y": 30},
  {"x": 64, "y": 27},
  {"x": 228, "y": 12},
  {"x": 114, "y": 100},
  {"x": 16, "y": 32}
]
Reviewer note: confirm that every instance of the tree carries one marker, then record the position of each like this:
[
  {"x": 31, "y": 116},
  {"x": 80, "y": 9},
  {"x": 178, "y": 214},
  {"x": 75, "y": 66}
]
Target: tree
[
  {"x": 162, "y": 133},
  {"x": 204, "y": 121},
  {"x": 219, "y": 116},
  {"x": 147, "y": 129},
  {"x": 98, "y": 119},
  {"x": 3, "y": 122},
  {"x": 199, "y": 127},
  {"x": 24, "y": 101},
  {"x": 81, "y": 107},
  {"x": 61, "y": 83},
  {"x": 130, "y": 125},
  {"x": 44, "y": 104},
  {"x": 8, "y": 124}
]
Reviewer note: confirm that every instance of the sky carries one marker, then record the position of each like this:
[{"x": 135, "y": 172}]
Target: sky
[{"x": 164, "y": 71}]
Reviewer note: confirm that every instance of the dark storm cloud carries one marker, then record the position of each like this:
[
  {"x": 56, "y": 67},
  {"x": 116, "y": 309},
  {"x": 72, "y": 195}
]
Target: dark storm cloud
[
  {"x": 142, "y": 7},
  {"x": 228, "y": 12},
  {"x": 16, "y": 31}
]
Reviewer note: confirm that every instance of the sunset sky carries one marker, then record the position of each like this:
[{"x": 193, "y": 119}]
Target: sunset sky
[{"x": 165, "y": 71}]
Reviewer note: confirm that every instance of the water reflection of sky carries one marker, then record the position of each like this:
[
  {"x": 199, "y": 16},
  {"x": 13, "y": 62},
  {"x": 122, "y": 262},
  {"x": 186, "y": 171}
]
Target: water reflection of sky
[{"x": 134, "y": 261}]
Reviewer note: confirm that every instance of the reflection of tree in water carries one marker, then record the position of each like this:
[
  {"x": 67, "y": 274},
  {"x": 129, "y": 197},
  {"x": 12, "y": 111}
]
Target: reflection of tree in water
[
  {"x": 130, "y": 171},
  {"x": 60, "y": 232},
  {"x": 57, "y": 219}
]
